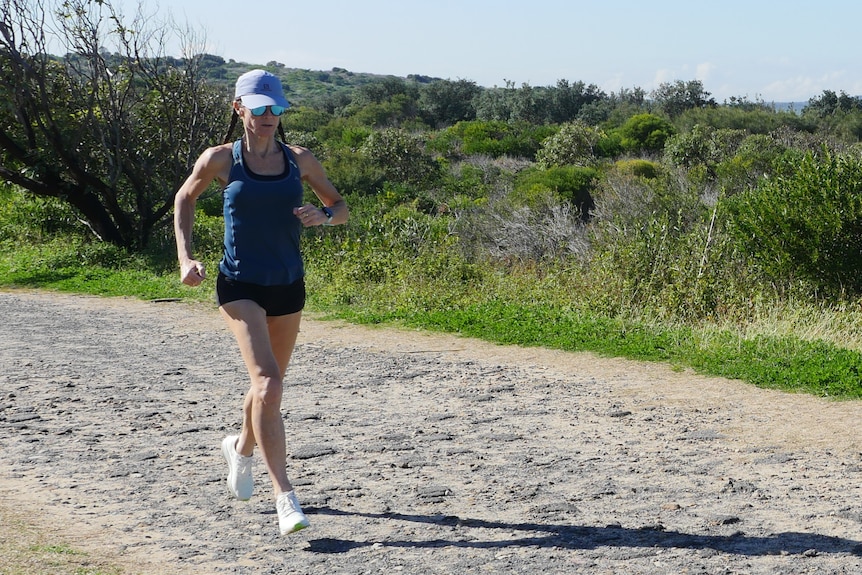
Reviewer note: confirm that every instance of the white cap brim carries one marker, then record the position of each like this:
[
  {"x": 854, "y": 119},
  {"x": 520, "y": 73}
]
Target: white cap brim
[{"x": 257, "y": 100}]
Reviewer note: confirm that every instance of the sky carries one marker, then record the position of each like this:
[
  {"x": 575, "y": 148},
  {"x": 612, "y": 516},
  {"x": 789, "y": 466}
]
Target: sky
[{"x": 787, "y": 51}]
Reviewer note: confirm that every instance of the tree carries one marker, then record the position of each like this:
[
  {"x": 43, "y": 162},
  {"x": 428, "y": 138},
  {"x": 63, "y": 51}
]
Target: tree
[
  {"x": 445, "y": 103},
  {"x": 677, "y": 97},
  {"x": 384, "y": 90},
  {"x": 500, "y": 104},
  {"x": 839, "y": 115},
  {"x": 830, "y": 103},
  {"x": 565, "y": 100},
  {"x": 112, "y": 134}
]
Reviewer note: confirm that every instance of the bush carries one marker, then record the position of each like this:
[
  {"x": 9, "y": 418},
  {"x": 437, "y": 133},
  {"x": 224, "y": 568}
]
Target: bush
[
  {"x": 573, "y": 145},
  {"x": 645, "y": 133},
  {"x": 755, "y": 158},
  {"x": 401, "y": 157},
  {"x": 490, "y": 138},
  {"x": 351, "y": 172},
  {"x": 571, "y": 184},
  {"x": 805, "y": 225},
  {"x": 702, "y": 146},
  {"x": 638, "y": 168},
  {"x": 664, "y": 266},
  {"x": 25, "y": 217},
  {"x": 547, "y": 231}
]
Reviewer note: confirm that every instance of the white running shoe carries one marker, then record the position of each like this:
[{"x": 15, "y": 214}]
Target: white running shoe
[
  {"x": 239, "y": 478},
  {"x": 290, "y": 515}
]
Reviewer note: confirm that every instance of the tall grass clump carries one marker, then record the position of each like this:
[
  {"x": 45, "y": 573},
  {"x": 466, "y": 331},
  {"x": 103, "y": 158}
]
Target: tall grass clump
[{"x": 387, "y": 264}]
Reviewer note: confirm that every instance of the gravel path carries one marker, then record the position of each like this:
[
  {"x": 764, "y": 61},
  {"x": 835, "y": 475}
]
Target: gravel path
[{"x": 412, "y": 453}]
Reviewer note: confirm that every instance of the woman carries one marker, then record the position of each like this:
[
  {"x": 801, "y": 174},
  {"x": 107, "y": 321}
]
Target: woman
[{"x": 260, "y": 287}]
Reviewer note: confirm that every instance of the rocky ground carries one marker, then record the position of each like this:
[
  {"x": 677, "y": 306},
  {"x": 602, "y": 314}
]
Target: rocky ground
[{"x": 412, "y": 453}]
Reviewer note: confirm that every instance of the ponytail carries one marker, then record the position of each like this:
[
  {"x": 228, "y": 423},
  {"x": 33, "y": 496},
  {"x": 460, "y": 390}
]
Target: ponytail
[{"x": 233, "y": 118}]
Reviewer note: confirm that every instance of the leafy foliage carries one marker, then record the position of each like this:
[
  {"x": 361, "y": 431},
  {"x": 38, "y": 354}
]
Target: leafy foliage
[
  {"x": 493, "y": 138},
  {"x": 805, "y": 225},
  {"x": 645, "y": 133},
  {"x": 445, "y": 102},
  {"x": 575, "y": 145},
  {"x": 676, "y": 97},
  {"x": 570, "y": 184},
  {"x": 556, "y": 215},
  {"x": 400, "y": 157}
]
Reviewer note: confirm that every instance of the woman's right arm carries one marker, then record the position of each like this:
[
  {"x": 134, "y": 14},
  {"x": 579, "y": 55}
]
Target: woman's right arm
[{"x": 213, "y": 164}]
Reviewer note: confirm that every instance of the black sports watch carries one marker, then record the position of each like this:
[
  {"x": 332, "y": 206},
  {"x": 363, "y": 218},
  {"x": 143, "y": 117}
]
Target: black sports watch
[{"x": 327, "y": 211}]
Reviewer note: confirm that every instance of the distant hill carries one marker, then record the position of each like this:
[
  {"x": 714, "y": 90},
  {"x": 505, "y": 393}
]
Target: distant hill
[{"x": 301, "y": 86}]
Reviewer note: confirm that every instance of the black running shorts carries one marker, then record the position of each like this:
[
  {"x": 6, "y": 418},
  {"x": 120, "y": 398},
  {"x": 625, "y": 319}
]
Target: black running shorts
[{"x": 275, "y": 300}]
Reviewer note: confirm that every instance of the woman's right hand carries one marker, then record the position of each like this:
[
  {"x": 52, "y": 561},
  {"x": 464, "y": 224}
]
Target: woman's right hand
[{"x": 192, "y": 272}]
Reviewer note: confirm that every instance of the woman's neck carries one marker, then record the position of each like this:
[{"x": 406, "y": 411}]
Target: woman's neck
[{"x": 260, "y": 147}]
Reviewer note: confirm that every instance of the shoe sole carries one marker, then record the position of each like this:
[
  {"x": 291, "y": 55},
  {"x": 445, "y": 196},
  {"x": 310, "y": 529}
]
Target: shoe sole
[{"x": 297, "y": 527}]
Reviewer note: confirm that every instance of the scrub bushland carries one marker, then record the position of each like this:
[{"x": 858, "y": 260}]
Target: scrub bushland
[{"x": 756, "y": 284}]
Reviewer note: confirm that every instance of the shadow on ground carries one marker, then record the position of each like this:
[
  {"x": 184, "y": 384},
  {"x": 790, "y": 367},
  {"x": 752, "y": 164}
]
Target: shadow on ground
[{"x": 584, "y": 537}]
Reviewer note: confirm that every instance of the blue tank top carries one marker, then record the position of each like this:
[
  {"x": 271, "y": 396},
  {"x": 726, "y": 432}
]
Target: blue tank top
[{"x": 261, "y": 234}]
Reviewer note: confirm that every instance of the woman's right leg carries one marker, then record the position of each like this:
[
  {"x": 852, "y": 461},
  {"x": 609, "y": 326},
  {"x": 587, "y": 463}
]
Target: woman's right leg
[{"x": 262, "y": 420}]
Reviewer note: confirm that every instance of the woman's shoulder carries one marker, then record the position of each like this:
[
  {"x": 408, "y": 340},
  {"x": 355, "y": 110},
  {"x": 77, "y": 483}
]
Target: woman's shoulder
[
  {"x": 218, "y": 155},
  {"x": 220, "y": 150},
  {"x": 297, "y": 149},
  {"x": 214, "y": 163},
  {"x": 303, "y": 155}
]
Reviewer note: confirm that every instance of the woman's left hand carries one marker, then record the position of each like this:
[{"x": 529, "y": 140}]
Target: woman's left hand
[{"x": 310, "y": 215}]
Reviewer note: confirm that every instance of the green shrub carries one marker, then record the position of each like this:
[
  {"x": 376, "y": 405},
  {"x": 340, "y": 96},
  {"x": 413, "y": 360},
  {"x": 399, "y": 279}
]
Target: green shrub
[
  {"x": 756, "y": 157},
  {"x": 492, "y": 138},
  {"x": 572, "y": 184},
  {"x": 638, "y": 168},
  {"x": 25, "y": 217},
  {"x": 351, "y": 173},
  {"x": 805, "y": 225},
  {"x": 305, "y": 119},
  {"x": 645, "y": 133},
  {"x": 573, "y": 145},
  {"x": 401, "y": 157}
]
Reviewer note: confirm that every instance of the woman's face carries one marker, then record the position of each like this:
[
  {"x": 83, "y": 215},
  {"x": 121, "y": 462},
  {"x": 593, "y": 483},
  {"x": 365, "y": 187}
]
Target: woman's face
[{"x": 262, "y": 126}]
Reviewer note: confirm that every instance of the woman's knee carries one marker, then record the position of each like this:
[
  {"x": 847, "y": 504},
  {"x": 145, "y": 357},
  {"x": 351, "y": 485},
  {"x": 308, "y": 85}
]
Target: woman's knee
[{"x": 267, "y": 391}]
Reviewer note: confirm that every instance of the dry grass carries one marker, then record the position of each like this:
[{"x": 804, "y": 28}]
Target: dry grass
[
  {"x": 26, "y": 549},
  {"x": 840, "y": 325}
]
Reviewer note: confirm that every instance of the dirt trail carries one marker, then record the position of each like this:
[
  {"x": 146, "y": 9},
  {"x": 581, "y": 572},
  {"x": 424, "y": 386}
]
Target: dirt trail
[{"x": 412, "y": 453}]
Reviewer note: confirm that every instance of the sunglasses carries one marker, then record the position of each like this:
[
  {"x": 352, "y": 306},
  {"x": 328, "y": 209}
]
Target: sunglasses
[{"x": 261, "y": 110}]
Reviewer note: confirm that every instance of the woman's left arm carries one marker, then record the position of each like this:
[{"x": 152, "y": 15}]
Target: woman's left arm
[{"x": 312, "y": 172}]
